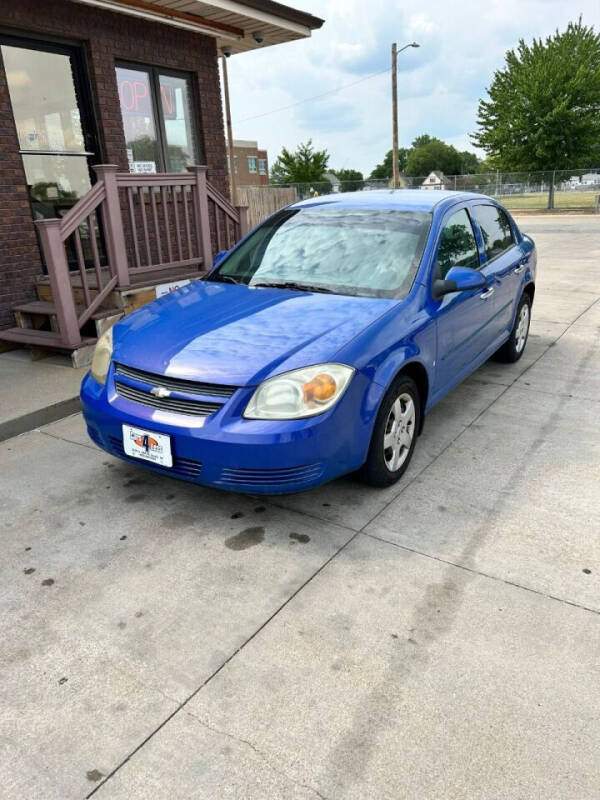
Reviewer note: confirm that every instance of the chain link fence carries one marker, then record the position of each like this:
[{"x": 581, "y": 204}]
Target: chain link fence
[{"x": 577, "y": 190}]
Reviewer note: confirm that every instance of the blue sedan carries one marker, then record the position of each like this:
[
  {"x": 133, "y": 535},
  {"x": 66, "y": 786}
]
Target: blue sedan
[{"x": 317, "y": 345}]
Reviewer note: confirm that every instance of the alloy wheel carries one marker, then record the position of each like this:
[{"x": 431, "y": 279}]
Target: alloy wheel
[
  {"x": 399, "y": 432},
  {"x": 522, "y": 328}
]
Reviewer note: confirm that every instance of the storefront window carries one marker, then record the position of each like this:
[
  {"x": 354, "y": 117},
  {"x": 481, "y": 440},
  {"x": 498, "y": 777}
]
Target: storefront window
[
  {"x": 47, "y": 117},
  {"x": 139, "y": 125},
  {"x": 157, "y": 114}
]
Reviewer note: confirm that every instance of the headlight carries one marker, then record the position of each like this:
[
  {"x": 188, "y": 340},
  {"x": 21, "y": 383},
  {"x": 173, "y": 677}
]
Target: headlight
[
  {"x": 102, "y": 356},
  {"x": 300, "y": 393}
]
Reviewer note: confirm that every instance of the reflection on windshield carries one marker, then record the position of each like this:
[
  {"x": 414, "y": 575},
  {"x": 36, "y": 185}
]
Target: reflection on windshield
[{"x": 350, "y": 251}]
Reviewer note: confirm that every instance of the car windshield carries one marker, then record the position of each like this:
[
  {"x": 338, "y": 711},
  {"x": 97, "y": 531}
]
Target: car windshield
[{"x": 367, "y": 252}]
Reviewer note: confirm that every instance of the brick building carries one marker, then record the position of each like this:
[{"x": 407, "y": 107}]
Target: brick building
[
  {"x": 133, "y": 83},
  {"x": 251, "y": 164}
]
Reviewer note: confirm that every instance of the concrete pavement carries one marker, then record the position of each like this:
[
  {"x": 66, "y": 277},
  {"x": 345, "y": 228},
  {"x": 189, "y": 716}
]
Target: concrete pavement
[
  {"x": 33, "y": 393},
  {"x": 439, "y": 639}
]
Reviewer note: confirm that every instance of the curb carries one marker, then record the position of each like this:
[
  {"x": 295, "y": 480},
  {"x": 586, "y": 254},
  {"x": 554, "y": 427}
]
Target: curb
[{"x": 35, "y": 419}]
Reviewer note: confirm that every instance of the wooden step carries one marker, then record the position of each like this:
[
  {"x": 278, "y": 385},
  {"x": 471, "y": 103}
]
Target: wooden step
[
  {"x": 35, "y": 338},
  {"x": 48, "y": 309},
  {"x": 35, "y": 307}
]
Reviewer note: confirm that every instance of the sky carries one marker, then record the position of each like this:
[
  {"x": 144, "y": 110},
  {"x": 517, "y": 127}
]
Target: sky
[{"x": 439, "y": 84}]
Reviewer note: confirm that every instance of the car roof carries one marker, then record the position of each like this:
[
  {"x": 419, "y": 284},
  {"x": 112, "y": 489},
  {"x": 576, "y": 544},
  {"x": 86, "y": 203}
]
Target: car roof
[{"x": 394, "y": 199}]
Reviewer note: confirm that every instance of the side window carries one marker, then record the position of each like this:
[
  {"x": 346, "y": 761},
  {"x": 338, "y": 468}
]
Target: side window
[
  {"x": 458, "y": 247},
  {"x": 495, "y": 229}
]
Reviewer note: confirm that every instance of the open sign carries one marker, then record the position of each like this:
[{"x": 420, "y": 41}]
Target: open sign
[{"x": 136, "y": 99}]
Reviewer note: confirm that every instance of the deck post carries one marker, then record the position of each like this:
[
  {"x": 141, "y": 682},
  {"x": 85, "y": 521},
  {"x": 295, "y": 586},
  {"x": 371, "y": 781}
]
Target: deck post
[
  {"x": 243, "y": 215},
  {"x": 55, "y": 257},
  {"x": 202, "y": 218},
  {"x": 113, "y": 223}
]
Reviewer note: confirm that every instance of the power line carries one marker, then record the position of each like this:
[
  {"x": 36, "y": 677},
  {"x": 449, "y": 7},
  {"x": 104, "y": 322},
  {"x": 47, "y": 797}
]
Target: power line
[{"x": 315, "y": 97}]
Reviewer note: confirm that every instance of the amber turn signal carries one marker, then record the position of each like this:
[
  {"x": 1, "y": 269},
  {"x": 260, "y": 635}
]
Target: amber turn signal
[{"x": 320, "y": 389}]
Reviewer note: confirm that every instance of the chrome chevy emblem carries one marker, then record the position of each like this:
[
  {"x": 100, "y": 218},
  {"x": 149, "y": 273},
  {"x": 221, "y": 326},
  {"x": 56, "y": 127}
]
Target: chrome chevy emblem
[{"x": 160, "y": 391}]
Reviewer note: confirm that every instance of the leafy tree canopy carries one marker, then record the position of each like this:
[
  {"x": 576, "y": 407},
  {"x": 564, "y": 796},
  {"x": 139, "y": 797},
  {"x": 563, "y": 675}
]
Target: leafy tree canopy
[
  {"x": 385, "y": 169},
  {"x": 304, "y": 165},
  {"x": 543, "y": 110},
  {"x": 428, "y": 153},
  {"x": 433, "y": 155},
  {"x": 351, "y": 179}
]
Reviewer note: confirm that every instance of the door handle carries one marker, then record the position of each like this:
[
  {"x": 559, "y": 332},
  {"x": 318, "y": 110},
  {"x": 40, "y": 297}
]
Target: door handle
[
  {"x": 519, "y": 269},
  {"x": 488, "y": 293}
]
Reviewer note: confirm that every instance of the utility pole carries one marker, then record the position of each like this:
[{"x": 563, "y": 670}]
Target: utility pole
[
  {"x": 395, "y": 175},
  {"x": 232, "y": 183},
  {"x": 395, "y": 51}
]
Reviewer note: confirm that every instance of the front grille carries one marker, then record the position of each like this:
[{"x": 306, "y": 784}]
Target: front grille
[
  {"x": 185, "y": 467},
  {"x": 176, "y": 384},
  {"x": 237, "y": 476},
  {"x": 196, "y": 408}
]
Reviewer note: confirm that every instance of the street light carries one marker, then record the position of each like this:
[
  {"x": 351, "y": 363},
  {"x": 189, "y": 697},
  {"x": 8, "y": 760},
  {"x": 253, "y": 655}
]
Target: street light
[{"x": 395, "y": 52}]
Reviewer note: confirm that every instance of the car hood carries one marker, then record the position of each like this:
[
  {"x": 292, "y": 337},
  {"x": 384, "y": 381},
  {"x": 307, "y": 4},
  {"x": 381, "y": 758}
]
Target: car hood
[{"x": 231, "y": 334}]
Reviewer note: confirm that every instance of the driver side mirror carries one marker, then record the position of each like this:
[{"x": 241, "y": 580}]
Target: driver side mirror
[
  {"x": 458, "y": 279},
  {"x": 219, "y": 257}
]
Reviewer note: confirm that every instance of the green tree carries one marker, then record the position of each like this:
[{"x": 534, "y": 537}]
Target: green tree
[
  {"x": 422, "y": 140},
  {"x": 433, "y": 155},
  {"x": 351, "y": 179},
  {"x": 305, "y": 165},
  {"x": 384, "y": 170},
  {"x": 469, "y": 163},
  {"x": 543, "y": 110}
]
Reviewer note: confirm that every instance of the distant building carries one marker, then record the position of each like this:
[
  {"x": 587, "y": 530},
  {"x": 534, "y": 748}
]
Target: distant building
[
  {"x": 333, "y": 180},
  {"x": 587, "y": 179},
  {"x": 436, "y": 180},
  {"x": 251, "y": 165},
  {"x": 590, "y": 179}
]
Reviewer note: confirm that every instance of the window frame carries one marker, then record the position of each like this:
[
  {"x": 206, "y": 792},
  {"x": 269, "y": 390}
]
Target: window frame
[
  {"x": 255, "y": 170},
  {"x": 514, "y": 242},
  {"x": 475, "y": 231},
  {"x": 154, "y": 72},
  {"x": 262, "y": 161}
]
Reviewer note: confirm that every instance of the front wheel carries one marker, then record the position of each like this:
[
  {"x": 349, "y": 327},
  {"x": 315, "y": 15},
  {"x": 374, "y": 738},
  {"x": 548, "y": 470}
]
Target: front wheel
[
  {"x": 394, "y": 435},
  {"x": 512, "y": 350}
]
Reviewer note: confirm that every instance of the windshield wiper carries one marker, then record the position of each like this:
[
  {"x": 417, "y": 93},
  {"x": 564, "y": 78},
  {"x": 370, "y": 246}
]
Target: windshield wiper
[
  {"x": 302, "y": 287},
  {"x": 218, "y": 278}
]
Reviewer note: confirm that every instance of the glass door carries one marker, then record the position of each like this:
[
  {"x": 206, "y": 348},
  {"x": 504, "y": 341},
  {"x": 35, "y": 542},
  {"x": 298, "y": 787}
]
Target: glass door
[{"x": 56, "y": 145}]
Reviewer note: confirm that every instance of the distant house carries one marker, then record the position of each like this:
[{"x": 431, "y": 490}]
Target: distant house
[
  {"x": 590, "y": 179},
  {"x": 435, "y": 180},
  {"x": 333, "y": 180}
]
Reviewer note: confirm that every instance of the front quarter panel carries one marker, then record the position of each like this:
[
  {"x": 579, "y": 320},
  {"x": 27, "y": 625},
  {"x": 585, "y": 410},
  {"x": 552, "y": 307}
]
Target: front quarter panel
[{"x": 405, "y": 334}]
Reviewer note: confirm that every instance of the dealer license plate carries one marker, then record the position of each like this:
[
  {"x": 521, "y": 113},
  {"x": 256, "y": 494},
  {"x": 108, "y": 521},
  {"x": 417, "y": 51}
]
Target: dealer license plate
[{"x": 149, "y": 446}]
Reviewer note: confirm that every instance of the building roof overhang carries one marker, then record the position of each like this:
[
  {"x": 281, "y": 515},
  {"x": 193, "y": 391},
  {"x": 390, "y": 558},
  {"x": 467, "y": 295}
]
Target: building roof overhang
[{"x": 239, "y": 25}]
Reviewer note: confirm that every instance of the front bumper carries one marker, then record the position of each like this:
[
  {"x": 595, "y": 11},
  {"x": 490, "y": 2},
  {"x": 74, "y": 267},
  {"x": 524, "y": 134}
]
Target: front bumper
[{"x": 226, "y": 451}]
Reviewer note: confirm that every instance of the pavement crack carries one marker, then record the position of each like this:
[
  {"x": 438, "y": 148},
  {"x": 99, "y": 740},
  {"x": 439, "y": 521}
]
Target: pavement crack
[
  {"x": 70, "y": 441},
  {"x": 480, "y": 573},
  {"x": 258, "y": 752},
  {"x": 222, "y": 666}
]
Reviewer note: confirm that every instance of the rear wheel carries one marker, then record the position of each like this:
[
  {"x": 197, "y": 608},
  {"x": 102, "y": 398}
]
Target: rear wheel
[
  {"x": 394, "y": 435},
  {"x": 513, "y": 349}
]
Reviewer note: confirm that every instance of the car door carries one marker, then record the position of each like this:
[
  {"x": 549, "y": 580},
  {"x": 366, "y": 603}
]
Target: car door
[
  {"x": 502, "y": 257},
  {"x": 463, "y": 329}
]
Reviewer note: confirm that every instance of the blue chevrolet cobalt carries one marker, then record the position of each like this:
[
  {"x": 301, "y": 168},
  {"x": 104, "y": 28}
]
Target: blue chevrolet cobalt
[{"x": 317, "y": 345}]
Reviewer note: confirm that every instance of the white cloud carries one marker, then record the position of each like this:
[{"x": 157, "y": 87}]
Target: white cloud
[{"x": 439, "y": 85}]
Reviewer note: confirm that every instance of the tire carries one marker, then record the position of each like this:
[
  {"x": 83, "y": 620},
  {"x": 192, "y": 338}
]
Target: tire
[
  {"x": 513, "y": 349},
  {"x": 386, "y": 465}
]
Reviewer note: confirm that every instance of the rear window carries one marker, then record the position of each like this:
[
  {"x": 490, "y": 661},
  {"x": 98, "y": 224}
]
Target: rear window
[
  {"x": 495, "y": 229},
  {"x": 368, "y": 252}
]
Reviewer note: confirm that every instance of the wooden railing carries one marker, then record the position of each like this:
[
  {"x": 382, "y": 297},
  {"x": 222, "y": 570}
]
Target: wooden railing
[{"x": 147, "y": 223}]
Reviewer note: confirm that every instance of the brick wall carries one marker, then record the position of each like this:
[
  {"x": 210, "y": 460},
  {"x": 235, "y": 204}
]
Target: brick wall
[
  {"x": 106, "y": 37},
  {"x": 243, "y": 175}
]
